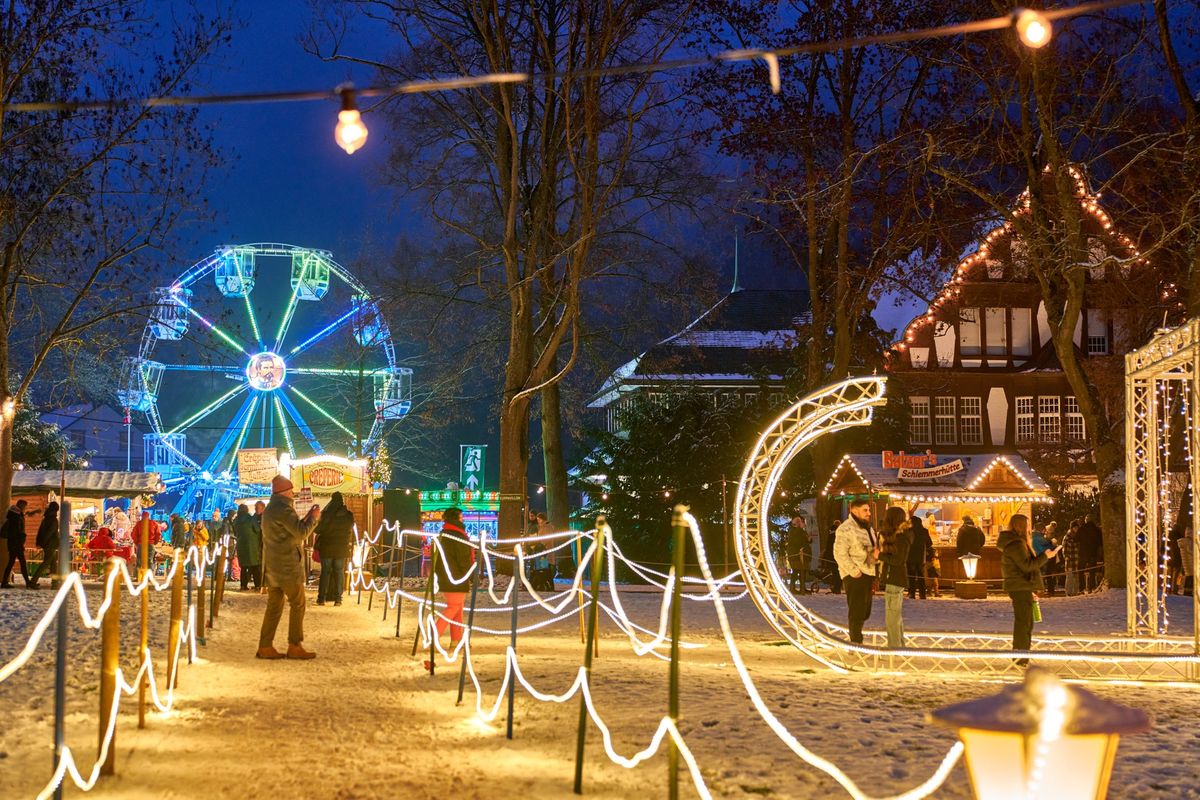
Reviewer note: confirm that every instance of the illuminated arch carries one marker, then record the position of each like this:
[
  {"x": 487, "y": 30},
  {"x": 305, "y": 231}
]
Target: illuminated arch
[{"x": 851, "y": 403}]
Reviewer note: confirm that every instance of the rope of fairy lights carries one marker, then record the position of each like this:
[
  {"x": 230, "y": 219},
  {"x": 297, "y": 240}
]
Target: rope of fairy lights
[
  {"x": 73, "y": 583},
  {"x": 769, "y": 56}
]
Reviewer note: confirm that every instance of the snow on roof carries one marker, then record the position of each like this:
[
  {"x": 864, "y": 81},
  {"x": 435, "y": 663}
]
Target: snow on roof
[
  {"x": 86, "y": 483},
  {"x": 1011, "y": 470}
]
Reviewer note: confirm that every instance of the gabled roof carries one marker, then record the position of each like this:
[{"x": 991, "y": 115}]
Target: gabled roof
[
  {"x": 86, "y": 482},
  {"x": 746, "y": 335},
  {"x": 982, "y": 477}
]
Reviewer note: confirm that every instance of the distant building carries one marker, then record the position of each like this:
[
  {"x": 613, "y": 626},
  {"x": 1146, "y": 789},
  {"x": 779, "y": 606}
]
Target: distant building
[
  {"x": 978, "y": 369},
  {"x": 99, "y": 430},
  {"x": 741, "y": 346}
]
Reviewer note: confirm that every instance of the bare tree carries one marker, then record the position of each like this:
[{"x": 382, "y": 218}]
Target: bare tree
[{"x": 87, "y": 196}]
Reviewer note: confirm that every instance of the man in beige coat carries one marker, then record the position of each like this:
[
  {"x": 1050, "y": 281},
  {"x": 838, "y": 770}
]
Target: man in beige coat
[{"x": 283, "y": 534}]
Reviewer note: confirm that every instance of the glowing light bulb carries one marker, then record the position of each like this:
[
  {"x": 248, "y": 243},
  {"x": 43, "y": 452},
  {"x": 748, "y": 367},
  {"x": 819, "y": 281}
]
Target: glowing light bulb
[
  {"x": 350, "y": 133},
  {"x": 1033, "y": 27}
]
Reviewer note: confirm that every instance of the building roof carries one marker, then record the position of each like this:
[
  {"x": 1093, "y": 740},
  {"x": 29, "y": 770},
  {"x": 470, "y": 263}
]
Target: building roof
[
  {"x": 86, "y": 483},
  {"x": 981, "y": 477},
  {"x": 745, "y": 336}
]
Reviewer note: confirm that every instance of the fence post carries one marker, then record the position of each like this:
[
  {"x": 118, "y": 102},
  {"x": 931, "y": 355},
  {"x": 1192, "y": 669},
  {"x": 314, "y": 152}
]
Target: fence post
[
  {"x": 517, "y": 572},
  {"x": 462, "y": 668},
  {"x": 187, "y": 609},
  {"x": 400, "y": 594},
  {"x": 175, "y": 627},
  {"x": 433, "y": 560},
  {"x": 60, "y": 654},
  {"x": 144, "y": 637},
  {"x": 679, "y": 530},
  {"x": 200, "y": 597},
  {"x": 592, "y": 620},
  {"x": 110, "y": 655},
  {"x": 219, "y": 578}
]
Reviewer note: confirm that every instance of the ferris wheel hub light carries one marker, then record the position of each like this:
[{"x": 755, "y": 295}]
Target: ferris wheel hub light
[{"x": 266, "y": 371}]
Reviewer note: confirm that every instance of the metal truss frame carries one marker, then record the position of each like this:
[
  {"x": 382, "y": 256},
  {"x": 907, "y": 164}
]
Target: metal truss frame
[{"x": 851, "y": 403}]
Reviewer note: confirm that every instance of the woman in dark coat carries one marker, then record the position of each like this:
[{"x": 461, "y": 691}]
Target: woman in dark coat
[
  {"x": 248, "y": 532},
  {"x": 1021, "y": 568},
  {"x": 47, "y": 539},
  {"x": 894, "y": 540},
  {"x": 334, "y": 534}
]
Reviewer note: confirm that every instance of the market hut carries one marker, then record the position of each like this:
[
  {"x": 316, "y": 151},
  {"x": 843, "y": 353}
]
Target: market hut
[
  {"x": 943, "y": 489},
  {"x": 87, "y": 491}
]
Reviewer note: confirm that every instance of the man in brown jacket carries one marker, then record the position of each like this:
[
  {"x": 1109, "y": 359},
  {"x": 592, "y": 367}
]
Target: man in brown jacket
[{"x": 283, "y": 534}]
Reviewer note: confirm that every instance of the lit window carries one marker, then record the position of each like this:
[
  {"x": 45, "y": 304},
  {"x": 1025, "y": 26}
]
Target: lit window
[
  {"x": 944, "y": 421},
  {"x": 1049, "y": 419},
  {"x": 995, "y": 321},
  {"x": 1026, "y": 424},
  {"x": 918, "y": 426},
  {"x": 971, "y": 419},
  {"x": 1097, "y": 332},
  {"x": 1022, "y": 332},
  {"x": 1076, "y": 432},
  {"x": 968, "y": 331}
]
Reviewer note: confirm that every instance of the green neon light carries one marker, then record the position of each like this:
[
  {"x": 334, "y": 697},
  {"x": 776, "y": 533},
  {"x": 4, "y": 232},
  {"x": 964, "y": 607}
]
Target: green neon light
[
  {"x": 237, "y": 265},
  {"x": 320, "y": 410},
  {"x": 333, "y": 371},
  {"x": 208, "y": 409},
  {"x": 212, "y": 327},
  {"x": 245, "y": 428},
  {"x": 291, "y": 308},
  {"x": 287, "y": 437}
]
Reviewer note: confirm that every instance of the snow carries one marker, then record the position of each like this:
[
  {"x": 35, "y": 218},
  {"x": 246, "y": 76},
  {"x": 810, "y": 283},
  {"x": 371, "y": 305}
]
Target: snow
[{"x": 364, "y": 721}]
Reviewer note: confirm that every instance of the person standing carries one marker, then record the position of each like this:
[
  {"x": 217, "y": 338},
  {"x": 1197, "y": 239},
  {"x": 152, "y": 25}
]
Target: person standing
[
  {"x": 1020, "y": 566},
  {"x": 1187, "y": 549},
  {"x": 283, "y": 534},
  {"x": 919, "y": 546},
  {"x": 249, "y": 547},
  {"x": 894, "y": 541},
  {"x": 199, "y": 534},
  {"x": 1091, "y": 553},
  {"x": 259, "y": 508},
  {"x": 799, "y": 551},
  {"x": 334, "y": 534},
  {"x": 856, "y": 550},
  {"x": 1070, "y": 558},
  {"x": 1044, "y": 540},
  {"x": 47, "y": 539},
  {"x": 450, "y": 575},
  {"x": 970, "y": 541},
  {"x": 828, "y": 564},
  {"x": 14, "y": 535}
]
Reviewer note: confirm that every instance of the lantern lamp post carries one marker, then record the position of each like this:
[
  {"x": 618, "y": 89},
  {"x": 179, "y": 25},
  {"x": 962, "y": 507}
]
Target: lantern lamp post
[
  {"x": 1041, "y": 740},
  {"x": 970, "y": 589}
]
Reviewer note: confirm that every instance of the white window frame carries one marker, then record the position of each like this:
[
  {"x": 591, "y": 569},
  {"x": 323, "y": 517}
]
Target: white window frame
[
  {"x": 1021, "y": 332},
  {"x": 969, "y": 342},
  {"x": 1097, "y": 332},
  {"x": 995, "y": 324},
  {"x": 1026, "y": 420},
  {"x": 1076, "y": 428},
  {"x": 970, "y": 415},
  {"x": 920, "y": 427},
  {"x": 945, "y": 420},
  {"x": 1049, "y": 418}
]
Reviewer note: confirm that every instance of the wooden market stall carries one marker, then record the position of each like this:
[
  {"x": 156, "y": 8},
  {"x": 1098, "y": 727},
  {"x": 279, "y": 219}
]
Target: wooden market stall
[{"x": 943, "y": 488}]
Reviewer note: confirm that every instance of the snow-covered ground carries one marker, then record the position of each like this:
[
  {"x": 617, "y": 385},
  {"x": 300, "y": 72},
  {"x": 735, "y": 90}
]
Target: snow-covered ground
[{"x": 364, "y": 721}]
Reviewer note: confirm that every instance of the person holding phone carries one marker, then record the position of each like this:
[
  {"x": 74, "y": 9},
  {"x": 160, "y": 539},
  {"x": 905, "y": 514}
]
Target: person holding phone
[{"x": 1021, "y": 565}]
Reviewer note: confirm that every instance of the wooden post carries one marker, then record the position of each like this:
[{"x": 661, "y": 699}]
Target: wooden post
[
  {"x": 176, "y": 623},
  {"x": 589, "y": 642},
  {"x": 579, "y": 594},
  {"x": 400, "y": 595},
  {"x": 144, "y": 638},
  {"x": 219, "y": 578},
  {"x": 462, "y": 668},
  {"x": 679, "y": 531},
  {"x": 110, "y": 657},
  {"x": 200, "y": 598},
  {"x": 428, "y": 601},
  {"x": 516, "y": 593},
  {"x": 60, "y": 650}
]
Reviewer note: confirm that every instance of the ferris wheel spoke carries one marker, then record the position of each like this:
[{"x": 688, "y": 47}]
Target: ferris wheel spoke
[
  {"x": 225, "y": 337},
  {"x": 249, "y": 306},
  {"x": 245, "y": 427},
  {"x": 320, "y": 410},
  {"x": 203, "y": 368},
  {"x": 214, "y": 458},
  {"x": 334, "y": 371},
  {"x": 290, "y": 312},
  {"x": 283, "y": 423},
  {"x": 291, "y": 409},
  {"x": 210, "y": 408},
  {"x": 321, "y": 334}
]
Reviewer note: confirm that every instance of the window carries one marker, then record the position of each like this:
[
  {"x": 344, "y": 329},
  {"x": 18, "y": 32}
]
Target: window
[
  {"x": 1097, "y": 332},
  {"x": 77, "y": 439},
  {"x": 1049, "y": 419},
  {"x": 1022, "y": 332},
  {"x": 1026, "y": 427},
  {"x": 995, "y": 325},
  {"x": 918, "y": 426},
  {"x": 995, "y": 269},
  {"x": 968, "y": 331},
  {"x": 971, "y": 419},
  {"x": 1075, "y": 429},
  {"x": 944, "y": 421}
]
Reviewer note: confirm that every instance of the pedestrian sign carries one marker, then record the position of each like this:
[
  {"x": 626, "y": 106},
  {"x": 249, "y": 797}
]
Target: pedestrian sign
[{"x": 470, "y": 470}]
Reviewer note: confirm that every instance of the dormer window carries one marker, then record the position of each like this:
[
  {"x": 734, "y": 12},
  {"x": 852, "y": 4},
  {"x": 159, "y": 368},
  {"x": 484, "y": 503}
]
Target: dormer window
[
  {"x": 995, "y": 321},
  {"x": 968, "y": 331}
]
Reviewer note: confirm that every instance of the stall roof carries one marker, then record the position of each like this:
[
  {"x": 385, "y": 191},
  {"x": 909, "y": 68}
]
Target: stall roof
[
  {"x": 981, "y": 477},
  {"x": 87, "y": 483}
]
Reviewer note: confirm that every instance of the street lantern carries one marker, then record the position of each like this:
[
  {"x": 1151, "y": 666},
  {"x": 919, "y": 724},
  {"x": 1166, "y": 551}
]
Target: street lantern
[
  {"x": 1041, "y": 740},
  {"x": 970, "y": 589}
]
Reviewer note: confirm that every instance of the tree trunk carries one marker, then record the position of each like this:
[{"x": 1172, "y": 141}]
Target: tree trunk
[
  {"x": 6, "y": 438},
  {"x": 558, "y": 509},
  {"x": 514, "y": 463}
]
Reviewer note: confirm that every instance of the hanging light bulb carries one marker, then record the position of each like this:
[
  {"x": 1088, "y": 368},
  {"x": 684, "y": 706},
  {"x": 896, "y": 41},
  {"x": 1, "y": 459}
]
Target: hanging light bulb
[
  {"x": 350, "y": 133},
  {"x": 1033, "y": 27}
]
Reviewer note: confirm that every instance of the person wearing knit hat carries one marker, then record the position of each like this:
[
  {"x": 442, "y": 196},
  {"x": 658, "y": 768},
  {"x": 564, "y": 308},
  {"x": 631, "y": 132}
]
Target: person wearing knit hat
[{"x": 283, "y": 535}]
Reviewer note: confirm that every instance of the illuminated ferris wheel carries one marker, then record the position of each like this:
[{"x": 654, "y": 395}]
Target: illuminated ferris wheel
[{"x": 260, "y": 346}]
